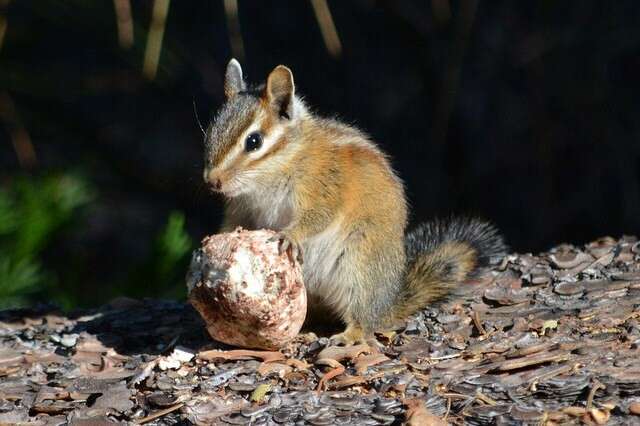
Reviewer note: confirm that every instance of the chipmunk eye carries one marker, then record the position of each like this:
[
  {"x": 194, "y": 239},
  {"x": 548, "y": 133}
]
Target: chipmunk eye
[{"x": 253, "y": 142}]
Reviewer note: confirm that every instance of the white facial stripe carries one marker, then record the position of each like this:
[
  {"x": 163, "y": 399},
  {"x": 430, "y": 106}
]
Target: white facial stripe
[{"x": 238, "y": 148}]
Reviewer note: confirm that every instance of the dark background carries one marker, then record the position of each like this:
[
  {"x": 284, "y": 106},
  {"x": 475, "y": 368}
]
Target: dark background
[{"x": 525, "y": 113}]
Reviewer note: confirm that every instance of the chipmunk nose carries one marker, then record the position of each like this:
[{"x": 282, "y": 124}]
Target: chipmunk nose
[
  {"x": 215, "y": 184},
  {"x": 213, "y": 180}
]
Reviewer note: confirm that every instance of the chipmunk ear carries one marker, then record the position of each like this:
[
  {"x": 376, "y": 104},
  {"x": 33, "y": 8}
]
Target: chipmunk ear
[
  {"x": 233, "y": 82},
  {"x": 280, "y": 90}
]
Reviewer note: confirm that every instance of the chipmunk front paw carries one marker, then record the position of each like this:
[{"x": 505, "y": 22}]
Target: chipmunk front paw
[{"x": 288, "y": 244}]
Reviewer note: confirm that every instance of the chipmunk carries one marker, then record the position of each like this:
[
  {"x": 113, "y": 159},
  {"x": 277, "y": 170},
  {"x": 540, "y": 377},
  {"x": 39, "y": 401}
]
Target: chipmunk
[{"x": 337, "y": 205}]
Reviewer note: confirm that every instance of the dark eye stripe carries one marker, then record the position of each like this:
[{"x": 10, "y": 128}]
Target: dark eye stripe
[{"x": 231, "y": 122}]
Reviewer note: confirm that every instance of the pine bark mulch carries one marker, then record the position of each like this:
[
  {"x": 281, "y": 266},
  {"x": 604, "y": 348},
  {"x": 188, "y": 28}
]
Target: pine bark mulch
[{"x": 551, "y": 339}]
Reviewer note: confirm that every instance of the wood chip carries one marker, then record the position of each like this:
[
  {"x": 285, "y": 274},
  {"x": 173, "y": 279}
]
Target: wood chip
[
  {"x": 514, "y": 364},
  {"x": 340, "y": 353},
  {"x": 418, "y": 415}
]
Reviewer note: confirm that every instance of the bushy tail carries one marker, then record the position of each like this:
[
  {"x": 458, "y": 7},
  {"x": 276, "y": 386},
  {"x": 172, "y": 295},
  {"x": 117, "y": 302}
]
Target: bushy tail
[{"x": 441, "y": 255}]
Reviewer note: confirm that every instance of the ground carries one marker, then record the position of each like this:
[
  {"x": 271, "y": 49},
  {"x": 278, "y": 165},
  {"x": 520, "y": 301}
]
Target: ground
[{"x": 550, "y": 339}]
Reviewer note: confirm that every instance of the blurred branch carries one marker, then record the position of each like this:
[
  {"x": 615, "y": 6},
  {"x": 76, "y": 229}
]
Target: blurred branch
[
  {"x": 441, "y": 10},
  {"x": 124, "y": 22},
  {"x": 233, "y": 25},
  {"x": 19, "y": 136},
  {"x": 4, "y": 4},
  {"x": 154, "y": 40},
  {"x": 451, "y": 81},
  {"x": 327, "y": 27}
]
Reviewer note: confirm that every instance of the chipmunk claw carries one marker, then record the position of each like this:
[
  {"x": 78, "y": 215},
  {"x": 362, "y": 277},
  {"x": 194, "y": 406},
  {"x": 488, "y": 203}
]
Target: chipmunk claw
[
  {"x": 353, "y": 335},
  {"x": 342, "y": 339},
  {"x": 286, "y": 244}
]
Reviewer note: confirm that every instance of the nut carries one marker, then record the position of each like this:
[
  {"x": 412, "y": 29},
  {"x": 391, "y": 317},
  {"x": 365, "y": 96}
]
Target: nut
[{"x": 248, "y": 294}]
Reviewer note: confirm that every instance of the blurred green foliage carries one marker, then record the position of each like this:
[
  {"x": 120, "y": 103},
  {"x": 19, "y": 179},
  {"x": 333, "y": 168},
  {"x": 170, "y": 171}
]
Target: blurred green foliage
[
  {"x": 166, "y": 266},
  {"x": 173, "y": 246},
  {"x": 34, "y": 211}
]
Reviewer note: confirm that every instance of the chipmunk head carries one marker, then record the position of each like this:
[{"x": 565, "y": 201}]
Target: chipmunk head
[{"x": 244, "y": 139}]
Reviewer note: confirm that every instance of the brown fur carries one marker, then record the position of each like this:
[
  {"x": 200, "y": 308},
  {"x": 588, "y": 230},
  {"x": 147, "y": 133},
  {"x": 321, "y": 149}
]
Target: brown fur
[{"x": 329, "y": 190}]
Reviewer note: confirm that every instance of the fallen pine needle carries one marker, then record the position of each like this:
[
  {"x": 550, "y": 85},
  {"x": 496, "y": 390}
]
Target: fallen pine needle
[
  {"x": 159, "y": 414},
  {"x": 478, "y": 323},
  {"x": 266, "y": 356},
  {"x": 484, "y": 398},
  {"x": 330, "y": 375},
  {"x": 592, "y": 393}
]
